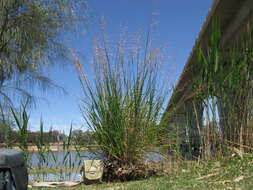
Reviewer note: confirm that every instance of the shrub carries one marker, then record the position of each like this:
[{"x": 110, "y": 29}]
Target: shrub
[{"x": 123, "y": 105}]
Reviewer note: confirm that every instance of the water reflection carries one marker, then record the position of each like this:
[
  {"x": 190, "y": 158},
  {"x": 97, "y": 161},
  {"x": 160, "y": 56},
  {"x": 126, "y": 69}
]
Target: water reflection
[
  {"x": 64, "y": 159},
  {"x": 65, "y": 176}
]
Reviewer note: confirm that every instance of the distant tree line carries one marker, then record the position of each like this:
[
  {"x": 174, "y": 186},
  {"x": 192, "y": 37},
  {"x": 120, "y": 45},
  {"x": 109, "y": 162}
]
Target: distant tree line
[
  {"x": 9, "y": 136},
  {"x": 83, "y": 137}
]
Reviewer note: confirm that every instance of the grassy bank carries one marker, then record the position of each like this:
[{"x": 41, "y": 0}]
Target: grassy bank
[{"x": 228, "y": 173}]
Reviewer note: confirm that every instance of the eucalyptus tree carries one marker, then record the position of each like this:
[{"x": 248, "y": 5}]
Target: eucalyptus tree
[{"x": 30, "y": 32}]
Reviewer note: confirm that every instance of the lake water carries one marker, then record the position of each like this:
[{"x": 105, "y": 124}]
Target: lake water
[
  {"x": 70, "y": 159},
  {"x": 70, "y": 163}
]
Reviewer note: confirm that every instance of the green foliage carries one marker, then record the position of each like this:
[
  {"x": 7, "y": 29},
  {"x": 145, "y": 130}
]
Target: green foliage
[
  {"x": 6, "y": 127},
  {"x": 29, "y": 39},
  {"x": 83, "y": 138},
  {"x": 21, "y": 120},
  {"x": 224, "y": 81},
  {"x": 123, "y": 104}
]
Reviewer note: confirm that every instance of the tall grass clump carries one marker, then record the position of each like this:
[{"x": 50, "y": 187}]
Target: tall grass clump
[
  {"x": 223, "y": 83},
  {"x": 122, "y": 104}
]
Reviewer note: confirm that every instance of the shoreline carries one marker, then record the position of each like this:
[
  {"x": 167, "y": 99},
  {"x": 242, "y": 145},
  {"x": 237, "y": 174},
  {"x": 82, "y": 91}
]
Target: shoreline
[{"x": 56, "y": 148}]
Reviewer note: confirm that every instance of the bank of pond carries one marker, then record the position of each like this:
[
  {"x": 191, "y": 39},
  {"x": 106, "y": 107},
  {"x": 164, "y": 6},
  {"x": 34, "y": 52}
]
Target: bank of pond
[{"x": 66, "y": 165}]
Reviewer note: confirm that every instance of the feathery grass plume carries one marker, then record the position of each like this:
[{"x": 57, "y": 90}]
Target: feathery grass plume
[{"x": 122, "y": 105}]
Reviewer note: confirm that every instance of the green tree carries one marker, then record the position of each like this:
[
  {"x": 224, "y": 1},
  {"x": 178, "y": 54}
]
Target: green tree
[
  {"x": 83, "y": 137},
  {"x": 30, "y": 33}
]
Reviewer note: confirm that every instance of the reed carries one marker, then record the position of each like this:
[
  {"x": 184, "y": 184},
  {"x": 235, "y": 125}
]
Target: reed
[{"x": 224, "y": 86}]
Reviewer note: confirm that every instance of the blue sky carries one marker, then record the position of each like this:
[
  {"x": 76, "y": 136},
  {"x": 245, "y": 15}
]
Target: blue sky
[{"x": 178, "y": 24}]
